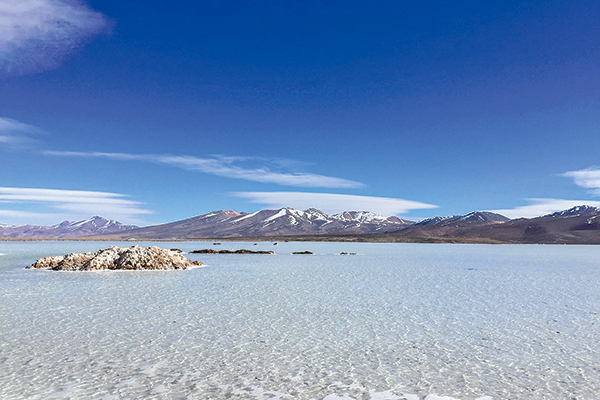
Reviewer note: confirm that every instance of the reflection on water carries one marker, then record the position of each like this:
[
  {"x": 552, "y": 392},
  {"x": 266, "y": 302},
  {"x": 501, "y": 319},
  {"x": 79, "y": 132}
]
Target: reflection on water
[{"x": 396, "y": 321}]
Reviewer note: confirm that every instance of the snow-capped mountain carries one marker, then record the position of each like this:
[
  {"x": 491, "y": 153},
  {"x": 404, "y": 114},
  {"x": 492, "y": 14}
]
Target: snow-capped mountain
[
  {"x": 93, "y": 226},
  {"x": 67, "y": 229},
  {"x": 579, "y": 224},
  {"x": 477, "y": 216},
  {"x": 368, "y": 217},
  {"x": 285, "y": 221},
  {"x": 574, "y": 212}
]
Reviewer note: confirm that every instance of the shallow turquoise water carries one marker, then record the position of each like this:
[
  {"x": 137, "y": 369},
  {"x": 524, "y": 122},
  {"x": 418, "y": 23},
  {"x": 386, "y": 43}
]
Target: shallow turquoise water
[{"x": 397, "y": 321}]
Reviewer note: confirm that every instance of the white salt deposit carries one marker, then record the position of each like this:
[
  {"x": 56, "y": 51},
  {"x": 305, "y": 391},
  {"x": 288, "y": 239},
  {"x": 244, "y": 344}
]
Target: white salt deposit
[
  {"x": 337, "y": 397},
  {"x": 159, "y": 389},
  {"x": 410, "y": 397},
  {"x": 260, "y": 393},
  {"x": 126, "y": 382},
  {"x": 385, "y": 395},
  {"x": 400, "y": 322},
  {"x": 150, "y": 368}
]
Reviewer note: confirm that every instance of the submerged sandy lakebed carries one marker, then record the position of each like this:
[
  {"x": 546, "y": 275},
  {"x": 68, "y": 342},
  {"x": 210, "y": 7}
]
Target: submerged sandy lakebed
[{"x": 395, "y": 322}]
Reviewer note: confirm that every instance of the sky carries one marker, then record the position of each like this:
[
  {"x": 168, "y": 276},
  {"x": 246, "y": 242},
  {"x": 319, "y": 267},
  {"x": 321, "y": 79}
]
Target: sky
[{"x": 149, "y": 112}]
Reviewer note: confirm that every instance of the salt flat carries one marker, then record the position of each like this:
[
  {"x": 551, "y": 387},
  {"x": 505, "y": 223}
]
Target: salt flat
[{"x": 396, "y": 321}]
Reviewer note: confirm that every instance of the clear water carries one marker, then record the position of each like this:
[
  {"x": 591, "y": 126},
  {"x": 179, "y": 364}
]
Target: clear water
[{"x": 397, "y": 321}]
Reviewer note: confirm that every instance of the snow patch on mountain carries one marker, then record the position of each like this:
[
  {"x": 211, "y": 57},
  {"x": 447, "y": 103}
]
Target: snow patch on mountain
[
  {"x": 574, "y": 211},
  {"x": 359, "y": 216},
  {"x": 433, "y": 221},
  {"x": 243, "y": 217},
  {"x": 279, "y": 214}
]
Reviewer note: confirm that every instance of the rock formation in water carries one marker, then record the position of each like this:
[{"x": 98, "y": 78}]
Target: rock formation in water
[
  {"x": 118, "y": 258},
  {"x": 241, "y": 251}
]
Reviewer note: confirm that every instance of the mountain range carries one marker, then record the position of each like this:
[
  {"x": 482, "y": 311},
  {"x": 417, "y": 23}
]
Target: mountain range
[
  {"x": 67, "y": 229},
  {"x": 282, "y": 222},
  {"x": 577, "y": 225}
]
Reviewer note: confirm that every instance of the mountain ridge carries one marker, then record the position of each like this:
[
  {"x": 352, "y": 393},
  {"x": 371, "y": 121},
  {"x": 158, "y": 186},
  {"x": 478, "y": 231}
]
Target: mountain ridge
[
  {"x": 283, "y": 221},
  {"x": 579, "y": 224},
  {"x": 95, "y": 225}
]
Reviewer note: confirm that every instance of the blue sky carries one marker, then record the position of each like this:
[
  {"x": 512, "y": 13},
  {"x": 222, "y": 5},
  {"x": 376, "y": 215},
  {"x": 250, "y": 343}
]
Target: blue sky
[{"x": 149, "y": 111}]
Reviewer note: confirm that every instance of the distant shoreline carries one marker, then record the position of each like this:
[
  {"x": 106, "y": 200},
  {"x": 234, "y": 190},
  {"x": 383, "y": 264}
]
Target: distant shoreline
[
  {"x": 320, "y": 238},
  {"x": 357, "y": 238}
]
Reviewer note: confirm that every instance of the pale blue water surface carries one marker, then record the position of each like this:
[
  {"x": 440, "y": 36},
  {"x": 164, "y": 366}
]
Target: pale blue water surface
[{"x": 396, "y": 321}]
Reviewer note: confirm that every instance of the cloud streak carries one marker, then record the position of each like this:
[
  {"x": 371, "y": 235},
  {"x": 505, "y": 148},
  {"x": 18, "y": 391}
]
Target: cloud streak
[
  {"x": 36, "y": 35},
  {"x": 11, "y": 125},
  {"x": 17, "y": 135},
  {"x": 334, "y": 203},
  {"x": 541, "y": 207},
  {"x": 67, "y": 204},
  {"x": 226, "y": 167},
  {"x": 588, "y": 178}
]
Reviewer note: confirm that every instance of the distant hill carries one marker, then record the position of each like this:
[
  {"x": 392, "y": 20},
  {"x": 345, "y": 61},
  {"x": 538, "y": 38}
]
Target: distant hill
[
  {"x": 579, "y": 224},
  {"x": 67, "y": 229},
  {"x": 464, "y": 220},
  {"x": 284, "y": 221}
]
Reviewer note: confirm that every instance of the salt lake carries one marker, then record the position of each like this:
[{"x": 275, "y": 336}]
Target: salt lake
[{"x": 395, "y": 321}]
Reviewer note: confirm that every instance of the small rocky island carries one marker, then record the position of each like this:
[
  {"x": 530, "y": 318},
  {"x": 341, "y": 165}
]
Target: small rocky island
[
  {"x": 118, "y": 258},
  {"x": 241, "y": 251}
]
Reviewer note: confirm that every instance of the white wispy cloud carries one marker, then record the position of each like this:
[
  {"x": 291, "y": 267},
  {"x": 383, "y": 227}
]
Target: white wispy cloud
[
  {"x": 58, "y": 205},
  {"x": 35, "y": 35},
  {"x": 226, "y": 167},
  {"x": 334, "y": 203},
  {"x": 17, "y": 135},
  {"x": 541, "y": 207},
  {"x": 11, "y": 125},
  {"x": 588, "y": 178},
  {"x": 15, "y": 141}
]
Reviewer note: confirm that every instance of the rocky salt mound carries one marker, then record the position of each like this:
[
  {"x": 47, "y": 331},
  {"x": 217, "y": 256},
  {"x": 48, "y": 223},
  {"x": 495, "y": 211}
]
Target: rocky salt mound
[{"x": 118, "y": 258}]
